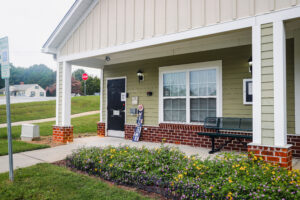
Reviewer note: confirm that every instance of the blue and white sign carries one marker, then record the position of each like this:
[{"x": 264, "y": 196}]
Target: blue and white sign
[
  {"x": 4, "y": 58},
  {"x": 139, "y": 124}
]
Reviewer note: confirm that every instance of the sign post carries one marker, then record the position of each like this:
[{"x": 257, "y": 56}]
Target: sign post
[
  {"x": 85, "y": 77},
  {"x": 5, "y": 74}
]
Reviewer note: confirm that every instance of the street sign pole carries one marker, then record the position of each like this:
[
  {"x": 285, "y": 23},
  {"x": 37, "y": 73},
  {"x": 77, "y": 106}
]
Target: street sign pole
[
  {"x": 84, "y": 88},
  {"x": 5, "y": 74},
  {"x": 9, "y": 137}
]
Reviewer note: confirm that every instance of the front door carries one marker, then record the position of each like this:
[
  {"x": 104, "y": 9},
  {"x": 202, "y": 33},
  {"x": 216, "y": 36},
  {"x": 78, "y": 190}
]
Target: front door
[{"x": 116, "y": 107}]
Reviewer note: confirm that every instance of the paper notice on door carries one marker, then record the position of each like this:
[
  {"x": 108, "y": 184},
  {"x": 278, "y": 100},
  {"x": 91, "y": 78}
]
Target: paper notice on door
[
  {"x": 250, "y": 88},
  {"x": 123, "y": 96},
  {"x": 116, "y": 112}
]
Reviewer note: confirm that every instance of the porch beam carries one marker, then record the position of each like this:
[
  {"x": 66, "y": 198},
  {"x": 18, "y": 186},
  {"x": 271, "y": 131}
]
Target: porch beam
[
  {"x": 297, "y": 80},
  {"x": 256, "y": 83},
  {"x": 66, "y": 94},
  {"x": 279, "y": 55}
]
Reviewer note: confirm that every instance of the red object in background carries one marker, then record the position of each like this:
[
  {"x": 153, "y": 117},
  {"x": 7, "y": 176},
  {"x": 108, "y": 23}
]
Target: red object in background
[{"x": 85, "y": 76}]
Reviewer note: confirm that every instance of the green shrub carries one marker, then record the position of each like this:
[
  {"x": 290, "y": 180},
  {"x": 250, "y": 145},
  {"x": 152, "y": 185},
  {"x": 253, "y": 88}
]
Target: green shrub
[{"x": 173, "y": 174}]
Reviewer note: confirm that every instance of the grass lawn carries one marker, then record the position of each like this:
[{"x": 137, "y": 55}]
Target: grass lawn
[
  {"x": 86, "y": 124},
  {"x": 46, "y": 181},
  {"x": 19, "y": 146},
  {"x": 46, "y": 109}
]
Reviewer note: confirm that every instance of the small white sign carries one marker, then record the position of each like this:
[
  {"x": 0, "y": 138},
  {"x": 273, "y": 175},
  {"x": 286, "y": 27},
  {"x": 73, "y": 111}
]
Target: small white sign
[
  {"x": 4, "y": 58},
  {"x": 116, "y": 112},
  {"x": 123, "y": 96},
  {"x": 135, "y": 100}
]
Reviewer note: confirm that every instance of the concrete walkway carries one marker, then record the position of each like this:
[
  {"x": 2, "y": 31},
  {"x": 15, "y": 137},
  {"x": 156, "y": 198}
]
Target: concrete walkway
[
  {"x": 49, "y": 119},
  {"x": 50, "y": 155}
]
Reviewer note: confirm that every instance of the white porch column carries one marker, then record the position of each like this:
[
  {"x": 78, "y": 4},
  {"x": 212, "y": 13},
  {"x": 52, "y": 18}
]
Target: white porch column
[
  {"x": 101, "y": 94},
  {"x": 279, "y": 55},
  {"x": 256, "y": 83},
  {"x": 66, "y": 94},
  {"x": 297, "y": 80},
  {"x": 58, "y": 93}
]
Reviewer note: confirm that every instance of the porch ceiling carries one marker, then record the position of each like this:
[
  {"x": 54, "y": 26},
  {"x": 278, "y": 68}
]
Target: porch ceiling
[{"x": 218, "y": 41}]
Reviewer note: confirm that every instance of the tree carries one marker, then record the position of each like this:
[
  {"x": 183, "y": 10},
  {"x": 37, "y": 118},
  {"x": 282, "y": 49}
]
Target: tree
[
  {"x": 92, "y": 85},
  {"x": 78, "y": 74}
]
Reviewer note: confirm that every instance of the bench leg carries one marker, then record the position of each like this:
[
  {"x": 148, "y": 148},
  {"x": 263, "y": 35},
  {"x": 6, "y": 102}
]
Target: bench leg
[{"x": 212, "y": 145}]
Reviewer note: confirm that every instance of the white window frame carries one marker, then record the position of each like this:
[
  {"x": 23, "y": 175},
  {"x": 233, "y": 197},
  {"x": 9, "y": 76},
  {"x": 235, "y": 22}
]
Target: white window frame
[
  {"x": 188, "y": 68},
  {"x": 244, "y": 91}
]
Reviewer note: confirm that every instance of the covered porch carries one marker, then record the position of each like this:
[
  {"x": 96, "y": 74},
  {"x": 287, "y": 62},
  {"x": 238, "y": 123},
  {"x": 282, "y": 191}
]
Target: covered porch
[{"x": 184, "y": 77}]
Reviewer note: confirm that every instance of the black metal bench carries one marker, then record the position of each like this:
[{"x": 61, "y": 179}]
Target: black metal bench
[{"x": 226, "y": 123}]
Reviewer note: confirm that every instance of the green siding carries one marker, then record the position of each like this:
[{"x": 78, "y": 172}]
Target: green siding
[
  {"x": 267, "y": 85},
  {"x": 234, "y": 70},
  {"x": 290, "y": 87}
]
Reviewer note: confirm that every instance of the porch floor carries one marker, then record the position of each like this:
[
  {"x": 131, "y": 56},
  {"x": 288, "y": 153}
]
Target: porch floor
[{"x": 57, "y": 153}]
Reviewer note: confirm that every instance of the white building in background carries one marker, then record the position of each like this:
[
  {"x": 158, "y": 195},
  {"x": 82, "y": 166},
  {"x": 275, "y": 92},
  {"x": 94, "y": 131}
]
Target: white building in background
[{"x": 27, "y": 90}]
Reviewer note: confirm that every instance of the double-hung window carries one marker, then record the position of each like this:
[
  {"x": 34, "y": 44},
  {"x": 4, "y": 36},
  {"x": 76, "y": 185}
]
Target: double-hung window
[{"x": 190, "y": 93}]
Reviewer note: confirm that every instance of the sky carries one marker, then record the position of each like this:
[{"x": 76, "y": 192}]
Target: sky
[{"x": 28, "y": 24}]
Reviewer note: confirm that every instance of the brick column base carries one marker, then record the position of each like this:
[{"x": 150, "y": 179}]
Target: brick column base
[
  {"x": 62, "y": 134},
  {"x": 276, "y": 155},
  {"x": 101, "y": 129}
]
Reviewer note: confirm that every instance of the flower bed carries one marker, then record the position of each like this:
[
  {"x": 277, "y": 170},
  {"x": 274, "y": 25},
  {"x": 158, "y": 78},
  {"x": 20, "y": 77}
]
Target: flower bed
[{"x": 174, "y": 175}]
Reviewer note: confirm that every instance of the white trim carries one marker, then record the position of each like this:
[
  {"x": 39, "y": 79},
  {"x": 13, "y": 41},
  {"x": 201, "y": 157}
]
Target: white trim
[
  {"x": 57, "y": 93},
  {"x": 244, "y": 91},
  {"x": 297, "y": 80},
  {"x": 279, "y": 55},
  {"x": 66, "y": 94},
  {"x": 256, "y": 84},
  {"x": 187, "y": 68},
  {"x": 106, "y": 119},
  {"x": 101, "y": 93},
  {"x": 285, "y": 14}
]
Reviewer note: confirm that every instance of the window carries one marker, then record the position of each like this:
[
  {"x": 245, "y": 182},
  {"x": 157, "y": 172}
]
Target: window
[
  {"x": 190, "y": 93},
  {"x": 41, "y": 94},
  {"x": 36, "y": 87},
  {"x": 32, "y": 93}
]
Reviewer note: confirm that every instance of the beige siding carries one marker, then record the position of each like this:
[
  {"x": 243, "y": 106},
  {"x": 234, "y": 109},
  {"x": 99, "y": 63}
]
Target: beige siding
[
  {"x": 267, "y": 84},
  {"x": 235, "y": 69},
  {"x": 115, "y": 22}
]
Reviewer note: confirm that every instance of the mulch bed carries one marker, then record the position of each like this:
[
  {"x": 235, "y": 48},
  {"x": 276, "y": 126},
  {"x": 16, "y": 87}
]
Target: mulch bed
[{"x": 62, "y": 163}]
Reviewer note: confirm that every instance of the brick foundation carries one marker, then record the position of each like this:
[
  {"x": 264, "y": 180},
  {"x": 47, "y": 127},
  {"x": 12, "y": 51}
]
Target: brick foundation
[
  {"x": 62, "y": 134},
  {"x": 276, "y": 155},
  {"x": 187, "y": 135},
  {"x": 101, "y": 129}
]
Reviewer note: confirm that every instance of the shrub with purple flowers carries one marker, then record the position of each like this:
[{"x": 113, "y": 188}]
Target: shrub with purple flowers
[{"x": 171, "y": 173}]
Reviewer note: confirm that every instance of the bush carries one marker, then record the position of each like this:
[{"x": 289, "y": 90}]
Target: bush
[{"x": 171, "y": 173}]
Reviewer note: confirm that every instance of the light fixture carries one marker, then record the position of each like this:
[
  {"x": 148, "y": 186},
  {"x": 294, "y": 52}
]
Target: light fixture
[
  {"x": 140, "y": 75},
  {"x": 250, "y": 64},
  {"x": 107, "y": 58}
]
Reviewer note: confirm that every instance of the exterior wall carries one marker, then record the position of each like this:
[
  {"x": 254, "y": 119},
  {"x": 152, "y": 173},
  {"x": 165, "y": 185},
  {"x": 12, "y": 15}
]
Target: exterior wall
[
  {"x": 116, "y": 22},
  {"x": 290, "y": 63},
  {"x": 267, "y": 85},
  {"x": 234, "y": 70},
  {"x": 37, "y": 91}
]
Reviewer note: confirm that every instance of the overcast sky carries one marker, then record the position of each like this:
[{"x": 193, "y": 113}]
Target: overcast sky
[{"x": 28, "y": 24}]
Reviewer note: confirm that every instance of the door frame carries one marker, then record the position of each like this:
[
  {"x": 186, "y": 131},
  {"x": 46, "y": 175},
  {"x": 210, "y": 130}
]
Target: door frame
[{"x": 106, "y": 99}]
